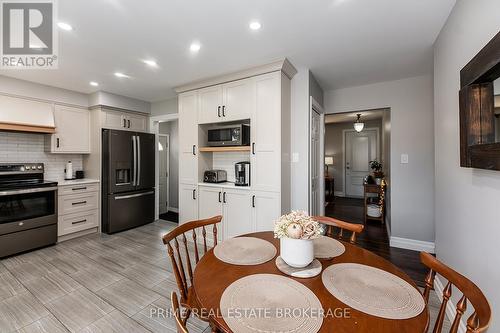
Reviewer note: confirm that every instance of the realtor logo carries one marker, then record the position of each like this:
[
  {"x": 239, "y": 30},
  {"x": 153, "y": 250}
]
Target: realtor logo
[{"x": 29, "y": 39}]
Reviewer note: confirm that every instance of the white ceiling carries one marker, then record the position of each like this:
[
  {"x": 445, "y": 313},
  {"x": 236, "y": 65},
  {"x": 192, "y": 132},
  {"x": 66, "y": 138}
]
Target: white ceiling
[{"x": 343, "y": 42}]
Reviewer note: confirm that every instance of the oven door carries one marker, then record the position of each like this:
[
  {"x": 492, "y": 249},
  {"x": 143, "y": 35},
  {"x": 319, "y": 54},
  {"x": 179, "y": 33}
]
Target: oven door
[
  {"x": 228, "y": 136},
  {"x": 27, "y": 208}
]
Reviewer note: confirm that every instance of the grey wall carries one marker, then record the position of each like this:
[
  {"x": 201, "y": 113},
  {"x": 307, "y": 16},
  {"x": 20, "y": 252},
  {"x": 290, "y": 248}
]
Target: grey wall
[
  {"x": 467, "y": 213},
  {"x": 315, "y": 90},
  {"x": 167, "y": 106},
  {"x": 117, "y": 101},
  {"x": 412, "y": 132},
  {"x": 333, "y": 146},
  {"x": 172, "y": 128}
]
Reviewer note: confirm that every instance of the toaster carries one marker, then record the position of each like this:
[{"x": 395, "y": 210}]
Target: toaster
[{"x": 215, "y": 176}]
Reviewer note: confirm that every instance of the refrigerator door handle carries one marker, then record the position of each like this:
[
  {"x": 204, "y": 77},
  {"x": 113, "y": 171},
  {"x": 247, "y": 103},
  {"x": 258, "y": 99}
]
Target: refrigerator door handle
[
  {"x": 138, "y": 179},
  {"x": 134, "y": 173},
  {"x": 133, "y": 195}
]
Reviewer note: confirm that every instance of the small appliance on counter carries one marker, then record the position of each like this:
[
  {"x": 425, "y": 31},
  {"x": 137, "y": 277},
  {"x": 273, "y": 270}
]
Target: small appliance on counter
[
  {"x": 242, "y": 174},
  {"x": 79, "y": 174},
  {"x": 229, "y": 135},
  {"x": 215, "y": 176}
]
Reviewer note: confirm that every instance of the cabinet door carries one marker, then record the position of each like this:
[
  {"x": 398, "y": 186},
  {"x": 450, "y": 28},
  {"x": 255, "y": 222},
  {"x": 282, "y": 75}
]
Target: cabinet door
[
  {"x": 188, "y": 203},
  {"x": 266, "y": 210},
  {"x": 188, "y": 138},
  {"x": 237, "y": 213},
  {"x": 210, "y": 110},
  {"x": 72, "y": 130},
  {"x": 209, "y": 205},
  {"x": 239, "y": 100},
  {"x": 114, "y": 120},
  {"x": 137, "y": 122},
  {"x": 266, "y": 134}
]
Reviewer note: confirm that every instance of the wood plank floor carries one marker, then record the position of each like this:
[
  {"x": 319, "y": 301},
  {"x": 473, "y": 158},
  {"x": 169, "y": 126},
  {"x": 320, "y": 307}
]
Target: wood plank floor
[
  {"x": 97, "y": 283},
  {"x": 375, "y": 238}
]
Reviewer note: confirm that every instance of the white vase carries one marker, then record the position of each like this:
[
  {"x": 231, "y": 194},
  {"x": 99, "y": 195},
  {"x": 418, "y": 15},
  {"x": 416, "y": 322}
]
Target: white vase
[{"x": 297, "y": 253}]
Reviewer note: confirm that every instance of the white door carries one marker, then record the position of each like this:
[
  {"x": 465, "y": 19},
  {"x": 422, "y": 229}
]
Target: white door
[
  {"x": 237, "y": 213},
  {"x": 266, "y": 210},
  {"x": 266, "y": 134},
  {"x": 210, "y": 205},
  {"x": 315, "y": 164},
  {"x": 210, "y": 110},
  {"x": 72, "y": 130},
  {"x": 239, "y": 100},
  {"x": 188, "y": 203},
  {"x": 188, "y": 138},
  {"x": 360, "y": 149},
  {"x": 163, "y": 155}
]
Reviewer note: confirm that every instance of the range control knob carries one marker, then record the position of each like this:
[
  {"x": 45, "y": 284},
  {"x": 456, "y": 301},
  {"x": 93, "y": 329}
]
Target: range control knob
[
  {"x": 21, "y": 168},
  {"x": 27, "y": 167},
  {"x": 39, "y": 167}
]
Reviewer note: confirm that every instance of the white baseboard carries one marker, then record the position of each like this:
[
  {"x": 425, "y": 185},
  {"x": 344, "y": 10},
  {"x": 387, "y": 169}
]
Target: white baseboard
[
  {"x": 338, "y": 193},
  {"x": 173, "y": 209},
  {"x": 412, "y": 244},
  {"x": 450, "y": 307}
]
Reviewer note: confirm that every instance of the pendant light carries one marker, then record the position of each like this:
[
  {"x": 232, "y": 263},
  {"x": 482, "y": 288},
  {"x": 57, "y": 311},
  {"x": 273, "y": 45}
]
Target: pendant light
[{"x": 359, "y": 125}]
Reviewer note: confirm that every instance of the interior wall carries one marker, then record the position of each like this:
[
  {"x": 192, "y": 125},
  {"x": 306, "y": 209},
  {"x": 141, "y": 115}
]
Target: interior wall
[
  {"x": 467, "y": 214},
  {"x": 334, "y": 147},
  {"x": 412, "y": 133},
  {"x": 172, "y": 128},
  {"x": 167, "y": 106}
]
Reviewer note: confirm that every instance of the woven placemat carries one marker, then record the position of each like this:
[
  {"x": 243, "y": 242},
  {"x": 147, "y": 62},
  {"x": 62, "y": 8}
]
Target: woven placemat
[
  {"x": 373, "y": 291},
  {"x": 327, "y": 248},
  {"x": 312, "y": 270},
  {"x": 259, "y": 303},
  {"x": 245, "y": 251}
]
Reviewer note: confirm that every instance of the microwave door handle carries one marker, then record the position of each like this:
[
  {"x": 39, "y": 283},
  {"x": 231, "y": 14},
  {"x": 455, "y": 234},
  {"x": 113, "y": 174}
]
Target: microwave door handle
[
  {"x": 138, "y": 142},
  {"x": 134, "y": 162}
]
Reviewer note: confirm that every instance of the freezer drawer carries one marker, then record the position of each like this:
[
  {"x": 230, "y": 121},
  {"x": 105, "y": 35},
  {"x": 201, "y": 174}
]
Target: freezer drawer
[{"x": 129, "y": 210}]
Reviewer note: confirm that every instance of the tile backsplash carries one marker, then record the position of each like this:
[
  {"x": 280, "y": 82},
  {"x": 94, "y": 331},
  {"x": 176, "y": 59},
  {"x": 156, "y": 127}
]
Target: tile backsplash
[
  {"x": 226, "y": 161},
  {"x": 30, "y": 148}
]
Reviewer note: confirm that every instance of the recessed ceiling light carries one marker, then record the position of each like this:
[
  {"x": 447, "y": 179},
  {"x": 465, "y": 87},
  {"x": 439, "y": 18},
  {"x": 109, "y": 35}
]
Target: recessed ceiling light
[
  {"x": 94, "y": 84},
  {"x": 195, "y": 47},
  {"x": 65, "y": 26},
  {"x": 255, "y": 25},
  {"x": 151, "y": 63},
  {"x": 118, "y": 74}
]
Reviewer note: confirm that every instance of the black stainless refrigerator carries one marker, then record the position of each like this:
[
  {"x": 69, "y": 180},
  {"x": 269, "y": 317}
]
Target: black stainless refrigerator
[{"x": 128, "y": 180}]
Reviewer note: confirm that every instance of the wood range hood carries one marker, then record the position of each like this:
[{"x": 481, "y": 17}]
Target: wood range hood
[{"x": 26, "y": 115}]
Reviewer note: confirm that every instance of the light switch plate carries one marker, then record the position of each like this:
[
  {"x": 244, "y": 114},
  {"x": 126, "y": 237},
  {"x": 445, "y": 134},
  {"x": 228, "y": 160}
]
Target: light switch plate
[
  {"x": 295, "y": 157},
  {"x": 404, "y": 158}
]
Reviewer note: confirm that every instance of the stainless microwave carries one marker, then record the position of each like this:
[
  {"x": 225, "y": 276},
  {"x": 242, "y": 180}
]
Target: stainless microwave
[{"x": 229, "y": 135}]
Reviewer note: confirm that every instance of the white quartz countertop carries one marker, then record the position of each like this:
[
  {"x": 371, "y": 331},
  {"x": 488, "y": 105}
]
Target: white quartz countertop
[
  {"x": 76, "y": 181},
  {"x": 225, "y": 185}
]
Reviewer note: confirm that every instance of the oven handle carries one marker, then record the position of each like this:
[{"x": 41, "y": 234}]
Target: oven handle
[{"x": 26, "y": 191}]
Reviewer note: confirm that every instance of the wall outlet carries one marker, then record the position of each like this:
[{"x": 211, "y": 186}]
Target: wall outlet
[{"x": 404, "y": 158}]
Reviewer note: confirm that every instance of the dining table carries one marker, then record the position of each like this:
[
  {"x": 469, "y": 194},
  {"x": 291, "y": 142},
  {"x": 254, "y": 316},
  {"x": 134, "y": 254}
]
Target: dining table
[{"x": 212, "y": 277}]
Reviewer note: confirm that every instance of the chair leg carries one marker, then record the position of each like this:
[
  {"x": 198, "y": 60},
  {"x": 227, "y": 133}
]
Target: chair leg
[
  {"x": 214, "y": 328},
  {"x": 186, "y": 316}
]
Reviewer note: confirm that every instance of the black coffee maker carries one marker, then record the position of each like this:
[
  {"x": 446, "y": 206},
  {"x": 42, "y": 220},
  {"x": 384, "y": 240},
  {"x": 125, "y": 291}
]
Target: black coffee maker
[{"x": 242, "y": 174}]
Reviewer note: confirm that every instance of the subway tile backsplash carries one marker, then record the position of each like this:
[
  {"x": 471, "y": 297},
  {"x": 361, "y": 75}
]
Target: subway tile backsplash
[
  {"x": 226, "y": 161},
  {"x": 30, "y": 147}
]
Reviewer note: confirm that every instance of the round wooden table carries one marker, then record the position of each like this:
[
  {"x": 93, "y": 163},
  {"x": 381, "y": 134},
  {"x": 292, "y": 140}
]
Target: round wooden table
[{"x": 212, "y": 277}]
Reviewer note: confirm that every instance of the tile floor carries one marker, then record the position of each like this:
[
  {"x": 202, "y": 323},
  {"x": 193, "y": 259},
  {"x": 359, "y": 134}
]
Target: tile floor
[{"x": 96, "y": 283}]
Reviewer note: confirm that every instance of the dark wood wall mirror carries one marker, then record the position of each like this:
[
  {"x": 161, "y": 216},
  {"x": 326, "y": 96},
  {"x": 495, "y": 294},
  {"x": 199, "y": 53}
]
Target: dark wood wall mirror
[{"x": 480, "y": 109}]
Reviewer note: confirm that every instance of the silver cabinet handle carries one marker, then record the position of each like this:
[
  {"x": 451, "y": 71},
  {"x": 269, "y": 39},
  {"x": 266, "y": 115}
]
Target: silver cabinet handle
[{"x": 134, "y": 195}]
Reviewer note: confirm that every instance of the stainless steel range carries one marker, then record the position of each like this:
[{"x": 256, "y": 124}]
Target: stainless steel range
[{"x": 28, "y": 208}]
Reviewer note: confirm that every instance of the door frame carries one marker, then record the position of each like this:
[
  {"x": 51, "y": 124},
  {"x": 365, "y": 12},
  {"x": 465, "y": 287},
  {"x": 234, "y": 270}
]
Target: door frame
[
  {"x": 168, "y": 171},
  {"x": 314, "y": 106},
  {"x": 344, "y": 133},
  {"x": 154, "y": 127}
]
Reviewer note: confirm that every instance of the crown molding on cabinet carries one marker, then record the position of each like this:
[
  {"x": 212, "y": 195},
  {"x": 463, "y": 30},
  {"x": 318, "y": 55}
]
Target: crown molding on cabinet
[{"x": 283, "y": 65}]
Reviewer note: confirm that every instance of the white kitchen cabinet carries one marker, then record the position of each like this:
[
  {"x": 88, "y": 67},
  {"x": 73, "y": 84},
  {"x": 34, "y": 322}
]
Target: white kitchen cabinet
[
  {"x": 72, "y": 131},
  {"x": 210, "y": 108},
  {"x": 210, "y": 205},
  {"x": 188, "y": 138},
  {"x": 127, "y": 121},
  {"x": 227, "y": 102},
  {"x": 265, "y": 210},
  {"x": 237, "y": 213},
  {"x": 266, "y": 134},
  {"x": 188, "y": 203}
]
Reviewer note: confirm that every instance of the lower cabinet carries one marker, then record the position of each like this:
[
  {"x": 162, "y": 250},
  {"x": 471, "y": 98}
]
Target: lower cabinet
[
  {"x": 243, "y": 211},
  {"x": 188, "y": 203}
]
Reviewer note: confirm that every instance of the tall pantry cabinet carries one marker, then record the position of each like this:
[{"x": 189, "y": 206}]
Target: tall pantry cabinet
[{"x": 261, "y": 97}]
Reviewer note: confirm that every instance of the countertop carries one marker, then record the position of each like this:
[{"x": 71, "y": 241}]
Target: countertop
[
  {"x": 225, "y": 185},
  {"x": 76, "y": 181}
]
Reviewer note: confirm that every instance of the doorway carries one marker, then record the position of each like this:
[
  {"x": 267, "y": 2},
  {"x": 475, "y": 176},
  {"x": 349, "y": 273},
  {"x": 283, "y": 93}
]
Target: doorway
[
  {"x": 164, "y": 152},
  {"x": 316, "y": 158}
]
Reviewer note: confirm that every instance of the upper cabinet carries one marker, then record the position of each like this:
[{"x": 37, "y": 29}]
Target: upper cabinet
[
  {"x": 127, "y": 121},
  {"x": 227, "y": 102},
  {"x": 72, "y": 131}
]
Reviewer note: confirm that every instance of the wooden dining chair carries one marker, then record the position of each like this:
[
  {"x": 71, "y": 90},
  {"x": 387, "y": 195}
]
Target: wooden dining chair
[
  {"x": 332, "y": 223},
  {"x": 479, "y": 320},
  {"x": 181, "y": 327},
  {"x": 182, "y": 263}
]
